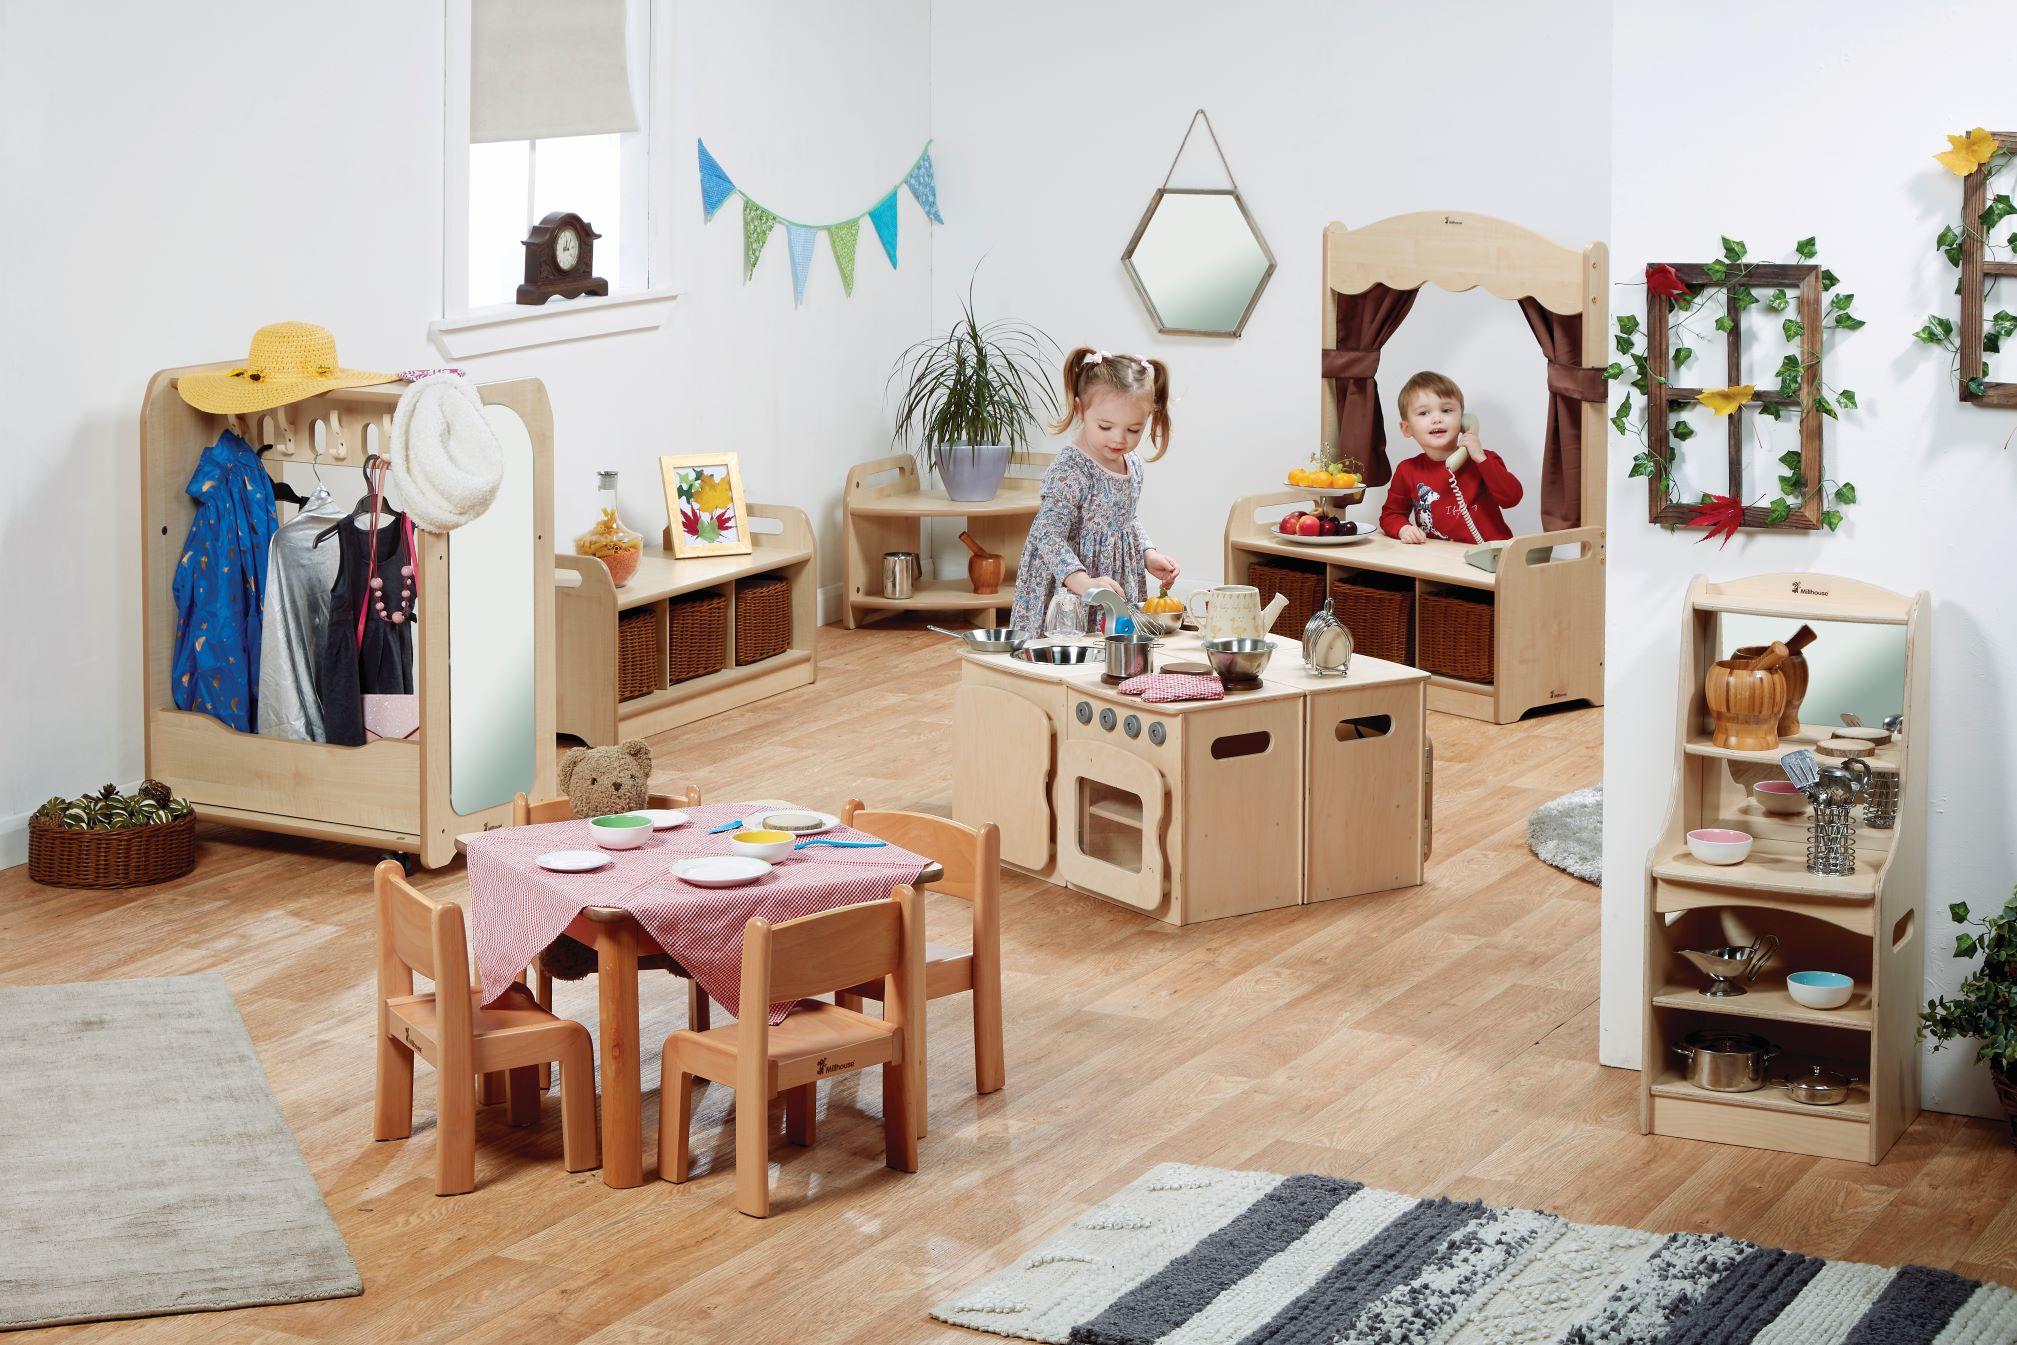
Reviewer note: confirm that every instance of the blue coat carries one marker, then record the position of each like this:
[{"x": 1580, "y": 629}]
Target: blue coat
[{"x": 219, "y": 583}]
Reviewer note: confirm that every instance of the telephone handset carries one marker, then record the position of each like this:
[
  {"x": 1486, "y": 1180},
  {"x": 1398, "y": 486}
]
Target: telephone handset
[{"x": 1463, "y": 455}]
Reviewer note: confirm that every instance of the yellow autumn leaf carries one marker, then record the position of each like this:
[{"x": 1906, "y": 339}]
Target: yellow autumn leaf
[
  {"x": 1968, "y": 152},
  {"x": 711, "y": 493},
  {"x": 1725, "y": 400}
]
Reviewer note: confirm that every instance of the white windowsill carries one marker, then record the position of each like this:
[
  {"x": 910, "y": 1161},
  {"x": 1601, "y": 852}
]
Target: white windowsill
[{"x": 486, "y": 331}]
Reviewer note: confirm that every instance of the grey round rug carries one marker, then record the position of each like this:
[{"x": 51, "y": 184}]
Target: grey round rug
[{"x": 1568, "y": 833}]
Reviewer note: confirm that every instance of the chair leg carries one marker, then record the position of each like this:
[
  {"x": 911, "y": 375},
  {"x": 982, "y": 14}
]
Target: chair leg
[
  {"x": 899, "y": 1133},
  {"x": 675, "y": 1119},
  {"x": 752, "y": 1154},
  {"x": 699, "y": 1015},
  {"x": 455, "y": 1136},
  {"x": 847, "y": 1001},
  {"x": 542, "y": 993},
  {"x": 801, "y": 1119},
  {"x": 914, "y": 1041},
  {"x": 581, "y": 1142},
  {"x": 521, "y": 1088},
  {"x": 491, "y": 1089},
  {"x": 392, "y": 1116},
  {"x": 990, "y": 1068}
]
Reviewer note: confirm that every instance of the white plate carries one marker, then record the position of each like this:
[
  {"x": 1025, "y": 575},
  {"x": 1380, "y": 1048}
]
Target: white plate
[
  {"x": 827, "y": 821},
  {"x": 720, "y": 870},
  {"x": 1344, "y": 539},
  {"x": 662, "y": 819},
  {"x": 1357, "y": 492},
  {"x": 572, "y": 861}
]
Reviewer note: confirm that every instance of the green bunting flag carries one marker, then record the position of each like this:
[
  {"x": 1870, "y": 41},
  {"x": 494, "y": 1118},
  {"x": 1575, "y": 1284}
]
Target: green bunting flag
[{"x": 843, "y": 235}]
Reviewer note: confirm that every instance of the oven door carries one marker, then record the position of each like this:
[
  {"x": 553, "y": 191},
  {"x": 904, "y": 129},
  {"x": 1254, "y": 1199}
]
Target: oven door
[{"x": 1111, "y": 808}]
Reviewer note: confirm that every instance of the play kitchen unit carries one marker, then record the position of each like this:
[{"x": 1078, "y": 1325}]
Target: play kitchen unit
[
  {"x": 1784, "y": 959},
  {"x": 1300, "y": 785}
]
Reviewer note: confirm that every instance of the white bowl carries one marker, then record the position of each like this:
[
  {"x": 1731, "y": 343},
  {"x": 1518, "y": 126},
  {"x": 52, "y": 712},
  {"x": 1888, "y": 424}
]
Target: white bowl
[
  {"x": 758, "y": 844},
  {"x": 1719, "y": 845},
  {"x": 619, "y": 831},
  {"x": 1820, "y": 989},
  {"x": 1779, "y": 797}
]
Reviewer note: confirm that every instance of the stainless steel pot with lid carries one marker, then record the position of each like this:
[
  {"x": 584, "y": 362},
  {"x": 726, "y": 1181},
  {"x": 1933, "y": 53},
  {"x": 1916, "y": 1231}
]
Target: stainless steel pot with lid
[
  {"x": 1726, "y": 1062},
  {"x": 1818, "y": 1087}
]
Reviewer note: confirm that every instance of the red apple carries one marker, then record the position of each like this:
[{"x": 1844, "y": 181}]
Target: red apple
[
  {"x": 1309, "y": 525},
  {"x": 1328, "y": 527},
  {"x": 1289, "y": 522}
]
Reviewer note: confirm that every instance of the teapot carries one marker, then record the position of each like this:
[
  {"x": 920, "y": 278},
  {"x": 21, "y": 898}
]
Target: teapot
[
  {"x": 1327, "y": 643},
  {"x": 1234, "y": 612}
]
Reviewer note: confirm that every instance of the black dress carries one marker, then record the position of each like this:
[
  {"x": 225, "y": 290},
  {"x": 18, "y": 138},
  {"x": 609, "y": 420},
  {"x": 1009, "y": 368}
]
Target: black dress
[{"x": 382, "y": 663}]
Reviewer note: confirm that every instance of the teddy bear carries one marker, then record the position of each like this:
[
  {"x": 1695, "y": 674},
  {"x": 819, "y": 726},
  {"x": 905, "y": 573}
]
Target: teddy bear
[{"x": 599, "y": 781}]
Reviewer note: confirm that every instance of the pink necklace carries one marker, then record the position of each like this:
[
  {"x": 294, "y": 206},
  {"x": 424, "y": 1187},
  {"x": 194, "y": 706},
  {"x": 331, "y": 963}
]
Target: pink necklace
[{"x": 398, "y": 615}]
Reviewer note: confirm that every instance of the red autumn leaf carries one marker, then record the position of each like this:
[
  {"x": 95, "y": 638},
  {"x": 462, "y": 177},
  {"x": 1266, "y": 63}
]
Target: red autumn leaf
[
  {"x": 689, "y": 520},
  {"x": 1721, "y": 515},
  {"x": 1662, "y": 280}
]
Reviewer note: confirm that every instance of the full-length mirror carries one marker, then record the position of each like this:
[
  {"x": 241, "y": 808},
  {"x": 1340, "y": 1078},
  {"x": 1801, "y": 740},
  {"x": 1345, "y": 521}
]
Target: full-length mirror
[
  {"x": 1852, "y": 667},
  {"x": 1197, "y": 258},
  {"x": 491, "y": 664}
]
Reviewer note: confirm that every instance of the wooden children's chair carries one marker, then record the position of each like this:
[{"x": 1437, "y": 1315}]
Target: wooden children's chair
[
  {"x": 453, "y": 1031},
  {"x": 971, "y": 859},
  {"x": 794, "y": 960}
]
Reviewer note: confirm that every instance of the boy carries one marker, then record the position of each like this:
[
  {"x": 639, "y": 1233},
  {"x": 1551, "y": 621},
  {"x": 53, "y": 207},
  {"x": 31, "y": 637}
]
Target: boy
[{"x": 1426, "y": 498}]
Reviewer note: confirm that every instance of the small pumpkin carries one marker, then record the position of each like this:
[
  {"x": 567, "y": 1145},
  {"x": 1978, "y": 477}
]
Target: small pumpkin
[{"x": 1162, "y": 602}]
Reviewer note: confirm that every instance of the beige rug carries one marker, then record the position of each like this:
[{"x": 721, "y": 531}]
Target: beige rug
[{"x": 144, "y": 1165}]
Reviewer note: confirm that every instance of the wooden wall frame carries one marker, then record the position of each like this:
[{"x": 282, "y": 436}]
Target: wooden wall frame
[
  {"x": 1661, "y": 394},
  {"x": 1976, "y": 275}
]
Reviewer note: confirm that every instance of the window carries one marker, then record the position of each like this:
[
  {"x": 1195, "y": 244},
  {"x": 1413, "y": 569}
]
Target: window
[{"x": 513, "y": 184}]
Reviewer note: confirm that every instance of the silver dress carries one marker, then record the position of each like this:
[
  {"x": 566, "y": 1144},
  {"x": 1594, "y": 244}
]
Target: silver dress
[{"x": 299, "y": 575}]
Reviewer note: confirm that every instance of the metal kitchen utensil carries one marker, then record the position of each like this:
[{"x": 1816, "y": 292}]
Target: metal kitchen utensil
[
  {"x": 1238, "y": 662},
  {"x": 1880, "y": 803},
  {"x": 1726, "y": 1062},
  {"x": 1895, "y": 723},
  {"x": 1058, "y": 654},
  {"x": 1327, "y": 643},
  {"x": 1818, "y": 1087},
  {"x": 1803, "y": 769},
  {"x": 986, "y": 639},
  {"x": 1831, "y": 828},
  {"x": 1730, "y": 969},
  {"x": 1129, "y": 655},
  {"x": 1119, "y": 609},
  {"x": 1854, "y": 721},
  {"x": 900, "y": 572}
]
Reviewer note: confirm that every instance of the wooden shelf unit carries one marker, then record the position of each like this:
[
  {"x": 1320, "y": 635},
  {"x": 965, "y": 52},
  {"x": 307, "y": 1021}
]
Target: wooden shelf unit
[
  {"x": 1547, "y": 613},
  {"x": 1865, "y": 925},
  {"x": 587, "y": 605},
  {"x": 885, "y": 508}
]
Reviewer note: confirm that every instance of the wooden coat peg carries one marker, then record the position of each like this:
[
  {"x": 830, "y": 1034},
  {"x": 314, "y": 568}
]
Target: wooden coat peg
[
  {"x": 339, "y": 447},
  {"x": 234, "y": 424},
  {"x": 283, "y": 437}
]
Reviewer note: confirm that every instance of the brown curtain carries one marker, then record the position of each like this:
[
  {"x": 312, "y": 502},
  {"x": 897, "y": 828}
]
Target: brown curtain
[
  {"x": 1569, "y": 386},
  {"x": 1365, "y": 323}
]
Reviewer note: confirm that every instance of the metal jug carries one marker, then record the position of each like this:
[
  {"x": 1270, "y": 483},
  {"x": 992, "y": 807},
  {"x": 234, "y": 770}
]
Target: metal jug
[
  {"x": 900, "y": 572},
  {"x": 1327, "y": 643}
]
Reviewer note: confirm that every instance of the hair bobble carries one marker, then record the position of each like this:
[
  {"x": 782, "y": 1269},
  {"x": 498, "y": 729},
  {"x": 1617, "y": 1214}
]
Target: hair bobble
[{"x": 1097, "y": 357}]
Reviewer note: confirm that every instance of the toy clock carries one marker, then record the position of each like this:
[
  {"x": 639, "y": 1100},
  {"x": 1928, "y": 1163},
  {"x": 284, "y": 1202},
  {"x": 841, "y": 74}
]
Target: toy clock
[{"x": 560, "y": 260}]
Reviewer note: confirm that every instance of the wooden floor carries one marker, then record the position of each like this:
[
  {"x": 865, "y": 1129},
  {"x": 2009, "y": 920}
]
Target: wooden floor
[{"x": 1439, "y": 1040}]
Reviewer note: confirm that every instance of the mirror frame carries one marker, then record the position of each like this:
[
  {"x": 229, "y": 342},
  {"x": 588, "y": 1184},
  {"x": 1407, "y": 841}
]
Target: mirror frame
[{"x": 1148, "y": 302}]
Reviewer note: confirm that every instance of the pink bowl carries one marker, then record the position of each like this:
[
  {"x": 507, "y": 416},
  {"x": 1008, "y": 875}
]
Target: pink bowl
[
  {"x": 1719, "y": 845},
  {"x": 1776, "y": 787},
  {"x": 1779, "y": 797}
]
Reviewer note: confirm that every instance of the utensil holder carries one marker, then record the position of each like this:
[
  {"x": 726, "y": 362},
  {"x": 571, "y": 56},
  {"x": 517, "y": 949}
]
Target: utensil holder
[
  {"x": 1880, "y": 803},
  {"x": 1831, "y": 840}
]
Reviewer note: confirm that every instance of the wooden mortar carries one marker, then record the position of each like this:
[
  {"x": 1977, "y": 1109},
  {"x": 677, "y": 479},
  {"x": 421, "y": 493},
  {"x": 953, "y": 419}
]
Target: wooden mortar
[
  {"x": 1795, "y": 671},
  {"x": 983, "y": 567},
  {"x": 1746, "y": 704}
]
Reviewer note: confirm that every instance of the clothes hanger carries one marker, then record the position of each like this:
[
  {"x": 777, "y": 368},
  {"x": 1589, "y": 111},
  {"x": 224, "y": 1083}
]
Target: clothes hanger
[
  {"x": 283, "y": 491},
  {"x": 374, "y": 489}
]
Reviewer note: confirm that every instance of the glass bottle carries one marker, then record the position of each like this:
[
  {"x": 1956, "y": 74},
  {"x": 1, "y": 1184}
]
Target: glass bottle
[{"x": 608, "y": 540}]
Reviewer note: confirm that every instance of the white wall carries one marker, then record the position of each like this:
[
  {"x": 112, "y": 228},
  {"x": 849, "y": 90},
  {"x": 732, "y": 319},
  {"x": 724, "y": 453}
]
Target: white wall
[
  {"x": 1057, "y": 122},
  {"x": 1832, "y": 135},
  {"x": 233, "y": 164}
]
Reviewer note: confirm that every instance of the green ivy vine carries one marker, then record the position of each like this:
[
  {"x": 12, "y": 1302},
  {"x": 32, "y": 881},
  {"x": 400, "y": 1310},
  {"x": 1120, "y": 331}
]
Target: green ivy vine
[{"x": 1732, "y": 271}]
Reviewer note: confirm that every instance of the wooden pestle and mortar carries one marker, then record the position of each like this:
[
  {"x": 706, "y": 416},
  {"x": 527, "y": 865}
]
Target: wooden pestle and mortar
[
  {"x": 1755, "y": 694},
  {"x": 983, "y": 567}
]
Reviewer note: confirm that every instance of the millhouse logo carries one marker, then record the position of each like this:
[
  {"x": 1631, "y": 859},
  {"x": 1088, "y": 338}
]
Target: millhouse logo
[
  {"x": 1810, "y": 592},
  {"x": 823, "y": 1069}
]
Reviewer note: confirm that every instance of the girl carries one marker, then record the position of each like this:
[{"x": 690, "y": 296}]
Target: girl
[{"x": 1086, "y": 534}]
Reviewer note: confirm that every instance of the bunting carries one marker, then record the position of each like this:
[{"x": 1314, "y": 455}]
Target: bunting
[{"x": 843, "y": 236}]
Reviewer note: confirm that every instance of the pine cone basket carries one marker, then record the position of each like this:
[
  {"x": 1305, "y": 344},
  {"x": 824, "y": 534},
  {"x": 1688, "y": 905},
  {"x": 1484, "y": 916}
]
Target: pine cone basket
[{"x": 60, "y": 856}]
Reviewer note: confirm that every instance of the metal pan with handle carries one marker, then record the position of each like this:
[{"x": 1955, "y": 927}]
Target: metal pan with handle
[{"x": 986, "y": 639}]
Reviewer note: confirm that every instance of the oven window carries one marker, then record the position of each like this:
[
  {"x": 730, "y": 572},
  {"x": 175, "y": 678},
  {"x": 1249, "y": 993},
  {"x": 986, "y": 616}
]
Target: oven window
[{"x": 1110, "y": 825}]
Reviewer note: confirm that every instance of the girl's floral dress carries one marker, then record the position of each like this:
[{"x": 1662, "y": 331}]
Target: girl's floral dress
[{"x": 1087, "y": 521}]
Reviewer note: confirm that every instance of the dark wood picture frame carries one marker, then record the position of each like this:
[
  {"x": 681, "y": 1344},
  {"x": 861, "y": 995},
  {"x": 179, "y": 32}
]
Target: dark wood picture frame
[
  {"x": 1661, "y": 395},
  {"x": 1976, "y": 273}
]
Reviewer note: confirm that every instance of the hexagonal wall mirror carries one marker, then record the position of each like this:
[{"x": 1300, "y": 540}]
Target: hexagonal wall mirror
[{"x": 1197, "y": 258}]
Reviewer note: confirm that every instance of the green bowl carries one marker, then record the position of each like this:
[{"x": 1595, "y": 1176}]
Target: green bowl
[{"x": 619, "y": 820}]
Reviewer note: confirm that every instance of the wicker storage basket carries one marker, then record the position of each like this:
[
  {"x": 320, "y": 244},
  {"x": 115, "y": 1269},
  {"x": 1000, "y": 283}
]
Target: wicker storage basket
[
  {"x": 762, "y": 618},
  {"x": 1304, "y": 588},
  {"x": 1456, "y": 635},
  {"x": 1379, "y": 610},
  {"x": 61, "y": 856},
  {"x": 699, "y": 638},
  {"x": 640, "y": 651}
]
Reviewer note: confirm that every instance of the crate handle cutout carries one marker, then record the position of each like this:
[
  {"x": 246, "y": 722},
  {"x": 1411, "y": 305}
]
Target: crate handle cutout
[
  {"x": 1241, "y": 745},
  {"x": 1901, "y": 933},
  {"x": 1364, "y": 726}
]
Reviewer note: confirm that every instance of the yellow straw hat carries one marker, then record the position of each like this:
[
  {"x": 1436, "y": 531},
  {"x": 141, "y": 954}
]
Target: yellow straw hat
[{"x": 289, "y": 361}]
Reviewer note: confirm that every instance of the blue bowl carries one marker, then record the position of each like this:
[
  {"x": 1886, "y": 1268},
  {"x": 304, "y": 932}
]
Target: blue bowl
[{"x": 1820, "y": 989}]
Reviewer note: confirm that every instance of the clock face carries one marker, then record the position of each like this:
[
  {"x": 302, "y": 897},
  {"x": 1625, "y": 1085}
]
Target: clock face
[{"x": 566, "y": 249}]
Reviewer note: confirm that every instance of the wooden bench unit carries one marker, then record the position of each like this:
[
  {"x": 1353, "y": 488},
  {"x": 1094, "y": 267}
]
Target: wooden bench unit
[
  {"x": 1547, "y": 614},
  {"x": 587, "y": 604}
]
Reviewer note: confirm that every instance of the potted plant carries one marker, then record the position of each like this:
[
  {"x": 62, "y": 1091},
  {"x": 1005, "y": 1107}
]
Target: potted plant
[
  {"x": 1985, "y": 1006},
  {"x": 972, "y": 397}
]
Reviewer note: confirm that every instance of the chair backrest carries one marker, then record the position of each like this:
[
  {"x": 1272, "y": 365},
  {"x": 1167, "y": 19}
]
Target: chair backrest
[
  {"x": 524, "y": 812},
  {"x": 970, "y": 856},
  {"x": 418, "y": 934}
]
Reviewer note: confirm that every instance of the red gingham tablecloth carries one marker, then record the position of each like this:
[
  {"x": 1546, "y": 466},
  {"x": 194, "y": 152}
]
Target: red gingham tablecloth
[{"x": 517, "y": 908}]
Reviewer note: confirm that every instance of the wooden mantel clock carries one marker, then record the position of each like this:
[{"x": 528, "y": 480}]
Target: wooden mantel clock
[{"x": 560, "y": 260}]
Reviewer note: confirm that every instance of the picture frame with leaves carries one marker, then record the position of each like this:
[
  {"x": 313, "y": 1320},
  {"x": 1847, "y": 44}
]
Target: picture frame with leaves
[
  {"x": 705, "y": 511},
  {"x": 1969, "y": 245}
]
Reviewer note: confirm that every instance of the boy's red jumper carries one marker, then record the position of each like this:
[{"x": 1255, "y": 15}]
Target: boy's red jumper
[{"x": 1420, "y": 494}]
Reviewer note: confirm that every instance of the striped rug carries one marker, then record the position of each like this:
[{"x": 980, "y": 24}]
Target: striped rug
[{"x": 1190, "y": 1255}]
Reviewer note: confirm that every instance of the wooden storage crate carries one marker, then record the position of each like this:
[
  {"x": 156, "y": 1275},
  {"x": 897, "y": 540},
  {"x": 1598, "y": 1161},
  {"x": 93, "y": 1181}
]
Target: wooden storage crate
[
  {"x": 1379, "y": 610},
  {"x": 1302, "y": 586},
  {"x": 640, "y": 652},
  {"x": 698, "y": 643},
  {"x": 1455, "y": 638},
  {"x": 762, "y": 618}
]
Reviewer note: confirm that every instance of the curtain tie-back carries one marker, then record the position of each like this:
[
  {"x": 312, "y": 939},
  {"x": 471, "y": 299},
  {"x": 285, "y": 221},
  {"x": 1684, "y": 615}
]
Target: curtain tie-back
[
  {"x": 1576, "y": 381},
  {"x": 1351, "y": 363}
]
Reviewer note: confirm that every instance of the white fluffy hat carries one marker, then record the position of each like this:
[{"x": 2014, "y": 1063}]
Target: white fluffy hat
[{"x": 446, "y": 461}]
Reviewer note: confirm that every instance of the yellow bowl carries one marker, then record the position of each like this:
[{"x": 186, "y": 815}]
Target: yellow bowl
[{"x": 762, "y": 844}]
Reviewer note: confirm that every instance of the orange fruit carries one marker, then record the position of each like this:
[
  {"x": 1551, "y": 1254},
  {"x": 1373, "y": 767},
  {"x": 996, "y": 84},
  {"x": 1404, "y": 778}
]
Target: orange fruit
[{"x": 1298, "y": 477}]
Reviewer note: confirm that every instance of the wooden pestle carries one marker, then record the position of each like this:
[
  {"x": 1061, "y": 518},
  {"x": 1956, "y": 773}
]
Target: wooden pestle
[
  {"x": 974, "y": 546},
  {"x": 1772, "y": 657},
  {"x": 1802, "y": 637}
]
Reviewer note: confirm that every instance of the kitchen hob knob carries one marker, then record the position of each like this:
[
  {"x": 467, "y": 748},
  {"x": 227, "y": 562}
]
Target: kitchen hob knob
[
  {"x": 1132, "y": 726},
  {"x": 1085, "y": 712},
  {"x": 1107, "y": 719},
  {"x": 1157, "y": 733}
]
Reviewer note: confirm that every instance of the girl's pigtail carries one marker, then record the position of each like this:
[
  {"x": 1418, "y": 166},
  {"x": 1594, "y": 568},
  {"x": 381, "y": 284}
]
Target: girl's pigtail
[
  {"x": 1074, "y": 381},
  {"x": 1159, "y": 413}
]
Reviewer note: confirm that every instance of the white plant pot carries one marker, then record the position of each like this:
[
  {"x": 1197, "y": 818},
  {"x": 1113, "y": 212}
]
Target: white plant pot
[{"x": 972, "y": 471}]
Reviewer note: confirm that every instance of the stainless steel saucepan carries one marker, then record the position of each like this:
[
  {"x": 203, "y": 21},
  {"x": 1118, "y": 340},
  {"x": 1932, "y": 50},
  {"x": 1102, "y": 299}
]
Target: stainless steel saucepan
[
  {"x": 987, "y": 639},
  {"x": 1726, "y": 1062}
]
